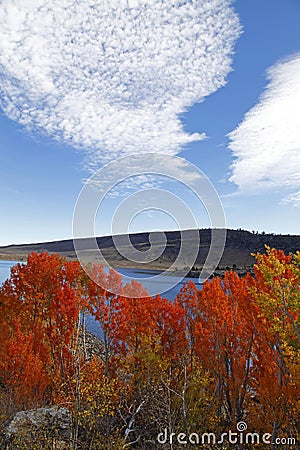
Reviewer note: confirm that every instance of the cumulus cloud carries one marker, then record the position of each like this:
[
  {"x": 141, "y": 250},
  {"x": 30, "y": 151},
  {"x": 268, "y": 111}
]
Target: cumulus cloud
[
  {"x": 266, "y": 144},
  {"x": 113, "y": 76}
]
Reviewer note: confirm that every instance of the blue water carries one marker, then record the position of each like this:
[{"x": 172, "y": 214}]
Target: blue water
[
  {"x": 166, "y": 285},
  {"x": 5, "y": 267}
]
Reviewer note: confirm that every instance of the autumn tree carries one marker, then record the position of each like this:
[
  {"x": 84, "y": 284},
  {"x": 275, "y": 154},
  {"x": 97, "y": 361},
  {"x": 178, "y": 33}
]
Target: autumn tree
[
  {"x": 201, "y": 362},
  {"x": 227, "y": 343},
  {"x": 276, "y": 289},
  {"x": 41, "y": 302}
]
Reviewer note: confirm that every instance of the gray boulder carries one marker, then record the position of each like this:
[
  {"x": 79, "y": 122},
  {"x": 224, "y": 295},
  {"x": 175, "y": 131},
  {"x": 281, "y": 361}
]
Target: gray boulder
[{"x": 52, "y": 424}]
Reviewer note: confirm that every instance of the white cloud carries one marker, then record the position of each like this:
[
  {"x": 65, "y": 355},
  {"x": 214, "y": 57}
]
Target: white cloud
[
  {"x": 112, "y": 77},
  {"x": 266, "y": 144},
  {"x": 292, "y": 199},
  {"x": 170, "y": 173}
]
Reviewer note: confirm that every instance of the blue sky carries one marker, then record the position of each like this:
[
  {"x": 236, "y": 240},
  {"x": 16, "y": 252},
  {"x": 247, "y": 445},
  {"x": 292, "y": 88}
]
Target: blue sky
[{"x": 217, "y": 86}]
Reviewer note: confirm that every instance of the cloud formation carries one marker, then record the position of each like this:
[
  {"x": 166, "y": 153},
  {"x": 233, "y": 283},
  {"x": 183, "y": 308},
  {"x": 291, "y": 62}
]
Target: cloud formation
[
  {"x": 266, "y": 144},
  {"x": 113, "y": 76},
  {"x": 118, "y": 184}
]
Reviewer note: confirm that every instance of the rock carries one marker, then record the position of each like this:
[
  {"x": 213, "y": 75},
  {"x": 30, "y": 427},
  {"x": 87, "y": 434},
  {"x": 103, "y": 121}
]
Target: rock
[
  {"x": 52, "y": 424},
  {"x": 90, "y": 345}
]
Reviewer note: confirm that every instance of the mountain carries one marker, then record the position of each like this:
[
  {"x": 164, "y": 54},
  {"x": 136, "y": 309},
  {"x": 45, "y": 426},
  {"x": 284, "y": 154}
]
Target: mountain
[{"x": 237, "y": 253}]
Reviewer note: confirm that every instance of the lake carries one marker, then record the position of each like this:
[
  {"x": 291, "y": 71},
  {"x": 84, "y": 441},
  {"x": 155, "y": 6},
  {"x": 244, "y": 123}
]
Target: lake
[{"x": 153, "y": 283}]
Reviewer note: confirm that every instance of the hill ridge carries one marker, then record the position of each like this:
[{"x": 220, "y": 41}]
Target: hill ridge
[{"x": 238, "y": 247}]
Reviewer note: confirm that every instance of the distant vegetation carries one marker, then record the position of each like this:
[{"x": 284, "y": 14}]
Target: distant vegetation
[{"x": 198, "y": 364}]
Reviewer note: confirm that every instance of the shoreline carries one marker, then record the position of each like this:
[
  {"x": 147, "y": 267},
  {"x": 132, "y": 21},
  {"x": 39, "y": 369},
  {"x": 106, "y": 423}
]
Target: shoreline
[{"x": 143, "y": 267}]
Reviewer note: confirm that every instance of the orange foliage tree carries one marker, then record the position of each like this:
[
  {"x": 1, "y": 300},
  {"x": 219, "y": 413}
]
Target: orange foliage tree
[
  {"x": 210, "y": 357},
  {"x": 40, "y": 308}
]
